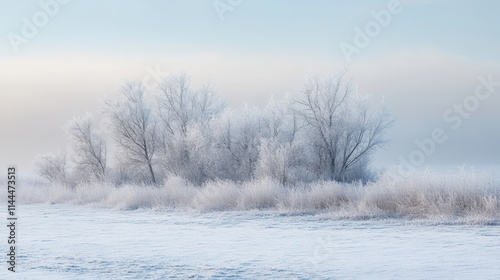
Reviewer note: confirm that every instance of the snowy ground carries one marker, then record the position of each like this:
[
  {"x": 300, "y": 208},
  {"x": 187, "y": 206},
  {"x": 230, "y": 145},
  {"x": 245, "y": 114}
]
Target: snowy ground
[{"x": 64, "y": 241}]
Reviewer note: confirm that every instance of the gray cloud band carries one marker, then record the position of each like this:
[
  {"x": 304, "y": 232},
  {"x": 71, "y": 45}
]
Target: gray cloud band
[{"x": 454, "y": 117}]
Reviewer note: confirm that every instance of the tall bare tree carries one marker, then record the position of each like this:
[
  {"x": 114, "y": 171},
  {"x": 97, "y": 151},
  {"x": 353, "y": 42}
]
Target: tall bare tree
[
  {"x": 344, "y": 130},
  {"x": 183, "y": 109},
  {"x": 135, "y": 126}
]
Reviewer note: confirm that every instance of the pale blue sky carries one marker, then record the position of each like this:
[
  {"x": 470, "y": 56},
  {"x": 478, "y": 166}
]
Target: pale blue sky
[
  {"x": 468, "y": 28},
  {"x": 428, "y": 58}
]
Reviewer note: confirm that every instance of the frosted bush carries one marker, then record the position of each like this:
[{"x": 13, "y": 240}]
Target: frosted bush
[{"x": 465, "y": 196}]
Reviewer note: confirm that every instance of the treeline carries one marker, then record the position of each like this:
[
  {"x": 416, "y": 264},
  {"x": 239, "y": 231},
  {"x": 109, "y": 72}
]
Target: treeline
[{"x": 329, "y": 133}]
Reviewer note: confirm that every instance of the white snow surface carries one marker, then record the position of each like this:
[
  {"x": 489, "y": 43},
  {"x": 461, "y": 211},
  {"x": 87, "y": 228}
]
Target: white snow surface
[{"x": 68, "y": 241}]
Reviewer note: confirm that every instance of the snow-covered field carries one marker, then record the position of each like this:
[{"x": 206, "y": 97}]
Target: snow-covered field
[
  {"x": 61, "y": 241},
  {"x": 424, "y": 226}
]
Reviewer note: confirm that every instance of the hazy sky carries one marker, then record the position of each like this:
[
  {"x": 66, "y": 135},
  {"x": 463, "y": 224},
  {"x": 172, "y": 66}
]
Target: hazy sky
[{"x": 59, "y": 60}]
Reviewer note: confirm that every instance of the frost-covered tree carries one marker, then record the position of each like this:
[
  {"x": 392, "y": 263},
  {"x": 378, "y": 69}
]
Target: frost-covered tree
[
  {"x": 135, "y": 126},
  {"x": 329, "y": 133},
  {"x": 52, "y": 167},
  {"x": 283, "y": 162},
  {"x": 238, "y": 138},
  {"x": 89, "y": 147},
  {"x": 281, "y": 152},
  {"x": 343, "y": 128},
  {"x": 180, "y": 106},
  {"x": 185, "y": 115},
  {"x": 279, "y": 122},
  {"x": 219, "y": 161}
]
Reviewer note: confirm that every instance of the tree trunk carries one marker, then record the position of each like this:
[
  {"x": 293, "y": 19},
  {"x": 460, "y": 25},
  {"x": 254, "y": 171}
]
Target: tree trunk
[{"x": 153, "y": 179}]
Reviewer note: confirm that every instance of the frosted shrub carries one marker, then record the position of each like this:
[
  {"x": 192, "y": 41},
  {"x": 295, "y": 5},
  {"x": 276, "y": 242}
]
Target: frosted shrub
[
  {"x": 260, "y": 194},
  {"x": 469, "y": 197},
  {"x": 217, "y": 195}
]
